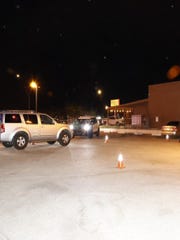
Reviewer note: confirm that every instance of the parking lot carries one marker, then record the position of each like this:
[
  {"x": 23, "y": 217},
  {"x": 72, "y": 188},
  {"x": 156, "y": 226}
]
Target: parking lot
[{"x": 79, "y": 192}]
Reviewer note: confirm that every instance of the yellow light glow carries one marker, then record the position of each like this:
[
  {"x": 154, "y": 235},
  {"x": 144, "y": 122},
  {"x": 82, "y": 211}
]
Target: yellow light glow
[
  {"x": 99, "y": 91},
  {"x": 33, "y": 84}
]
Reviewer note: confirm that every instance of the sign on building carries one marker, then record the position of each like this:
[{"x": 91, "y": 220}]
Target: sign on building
[
  {"x": 136, "y": 120},
  {"x": 115, "y": 102}
]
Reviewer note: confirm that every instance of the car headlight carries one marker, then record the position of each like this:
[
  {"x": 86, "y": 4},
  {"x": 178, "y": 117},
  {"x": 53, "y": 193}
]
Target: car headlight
[
  {"x": 71, "y": 126},
  {"x": 87, "y": 127}
]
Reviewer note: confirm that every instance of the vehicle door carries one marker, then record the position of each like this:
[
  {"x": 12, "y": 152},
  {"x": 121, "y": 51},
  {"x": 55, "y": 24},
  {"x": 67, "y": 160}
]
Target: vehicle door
[
  {"x": 95, "y": 124},
  {"x": 31, "y": 124},
  {"x": 111, "y": 120},
  {"x": 48, "y": 127}
]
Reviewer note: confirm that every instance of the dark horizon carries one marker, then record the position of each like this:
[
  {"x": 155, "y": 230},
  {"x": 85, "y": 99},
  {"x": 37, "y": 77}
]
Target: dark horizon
[{"x": 74, "y": 49}]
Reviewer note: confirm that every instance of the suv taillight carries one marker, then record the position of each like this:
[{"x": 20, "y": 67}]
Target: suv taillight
[
  {"x": 175, "y": 129},
  {"x": 2, "y": 128}
]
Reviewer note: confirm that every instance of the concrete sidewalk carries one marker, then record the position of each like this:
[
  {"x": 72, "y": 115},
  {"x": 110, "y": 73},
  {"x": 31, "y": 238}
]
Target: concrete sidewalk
[{"x": 135, "y": 131}]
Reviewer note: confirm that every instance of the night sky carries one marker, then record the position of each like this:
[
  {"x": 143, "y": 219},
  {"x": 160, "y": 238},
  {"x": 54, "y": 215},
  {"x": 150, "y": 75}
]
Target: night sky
[{"x": 73, "y": 48}]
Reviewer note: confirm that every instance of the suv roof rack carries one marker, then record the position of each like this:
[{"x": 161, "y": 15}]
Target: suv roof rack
[{"x": 20, "y": 111}]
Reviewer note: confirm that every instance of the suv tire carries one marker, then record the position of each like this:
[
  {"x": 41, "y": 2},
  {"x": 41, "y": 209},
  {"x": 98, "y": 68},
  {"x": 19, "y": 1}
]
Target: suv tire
[
  {"x": 20, "y": 140},
  {"x": 64, "y": 138},
  {"x": 7, "y": 144}
]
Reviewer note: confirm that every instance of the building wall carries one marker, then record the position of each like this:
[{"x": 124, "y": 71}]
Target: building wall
[
  {"x": 140, "y": 107},
  {"x": 164, "y": 103}
]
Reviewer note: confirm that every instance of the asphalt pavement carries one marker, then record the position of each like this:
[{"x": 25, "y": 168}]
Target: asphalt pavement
[{"x": 82, "y": 192}]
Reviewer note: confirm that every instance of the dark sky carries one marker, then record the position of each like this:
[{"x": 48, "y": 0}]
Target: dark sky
[{"x": 72, "y": 48}]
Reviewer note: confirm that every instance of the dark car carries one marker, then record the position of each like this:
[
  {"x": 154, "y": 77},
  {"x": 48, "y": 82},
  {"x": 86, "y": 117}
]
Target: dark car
[
  {"x": 85, "y": 126},
  {"x": 172, "y": 128}
]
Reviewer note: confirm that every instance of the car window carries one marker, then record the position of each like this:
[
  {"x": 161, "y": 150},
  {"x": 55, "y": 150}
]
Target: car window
[
  {"x": 1, "y": 117},
  {"x": 30, "y": 118},
  {"x": 12, "y": 118},
  {"x": 46, "y": 120},
  {"x": 76, "y": 121},
  {"x": 173, "y": 123},
  {"x": 81, "y": 121},
  {"x": 93, "y": 121}
]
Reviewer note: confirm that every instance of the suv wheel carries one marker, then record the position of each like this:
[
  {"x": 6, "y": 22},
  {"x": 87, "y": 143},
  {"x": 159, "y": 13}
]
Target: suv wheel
[
  {"x": 20, "y": 140},
  {"x": 7, "y": 144},
  {"x": 64, "y": 138}
]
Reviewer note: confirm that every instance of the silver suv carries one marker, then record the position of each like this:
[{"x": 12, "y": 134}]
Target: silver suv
[
  {"x": 85, "y": 126},
  {"x": 19, "y": 127}
]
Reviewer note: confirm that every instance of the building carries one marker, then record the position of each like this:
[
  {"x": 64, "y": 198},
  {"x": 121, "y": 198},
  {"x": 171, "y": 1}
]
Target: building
[
  {"x": 164, "y": 103},
  {"x": 161, "y": 106}
]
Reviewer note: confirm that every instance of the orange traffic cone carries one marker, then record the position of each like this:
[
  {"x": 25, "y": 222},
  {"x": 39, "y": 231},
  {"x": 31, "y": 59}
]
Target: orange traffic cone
[
  {"x": 120, "y": 161},
  {"x": 106, "y": 139},
  {"x": 167, "y": 137}
]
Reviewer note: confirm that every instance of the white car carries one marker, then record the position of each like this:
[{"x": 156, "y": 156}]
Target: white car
[
  {"x": 19, "y": 127},
  {"x": 85, "y": 126},
  {"x": 112, "y": 120},
  {"x": 172, "y": 128}
]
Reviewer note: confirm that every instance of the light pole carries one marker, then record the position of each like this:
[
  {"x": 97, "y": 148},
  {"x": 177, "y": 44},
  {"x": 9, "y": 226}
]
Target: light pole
[
  {"x": 34, "y": 85},
  {"x": 99, "y": 103}
]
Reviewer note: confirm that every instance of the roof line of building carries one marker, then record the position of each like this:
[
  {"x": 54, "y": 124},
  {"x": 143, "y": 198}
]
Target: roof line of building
[{"x": 135, "y": 102}]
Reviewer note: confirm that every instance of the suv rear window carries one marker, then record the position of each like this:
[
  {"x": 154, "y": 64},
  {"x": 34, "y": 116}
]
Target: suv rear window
[{"x": 12, "y": 118}]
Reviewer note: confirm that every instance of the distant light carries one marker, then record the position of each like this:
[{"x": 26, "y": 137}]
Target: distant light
[
  {"x": 98, "y": 117},
  {"x": 99, "y": 92},
  {"x": 173, "y": 72}
]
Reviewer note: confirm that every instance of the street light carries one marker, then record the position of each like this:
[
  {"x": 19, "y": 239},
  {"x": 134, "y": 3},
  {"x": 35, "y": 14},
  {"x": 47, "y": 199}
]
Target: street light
[
  {"x": 99, "y": 100},
  {"x": 34, "y": 85},
  {"x": 99, "y": 92},
  {"x": 18, "y": 75}
]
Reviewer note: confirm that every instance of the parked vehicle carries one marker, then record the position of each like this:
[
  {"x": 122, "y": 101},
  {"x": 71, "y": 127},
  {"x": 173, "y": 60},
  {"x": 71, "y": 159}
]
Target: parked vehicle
[
  {"x": 85, "y": 126},
  {"x": 172, "y": 128},
  {"x": 112, "y": 120},
  {"x": 19, "y": 127}
]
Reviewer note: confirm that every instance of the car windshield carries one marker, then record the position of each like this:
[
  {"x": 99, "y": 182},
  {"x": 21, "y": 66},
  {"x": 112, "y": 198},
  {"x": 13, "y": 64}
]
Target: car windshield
[
  {"x": 173, "y": 123},
  {"x": 83, "y": 121}
]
